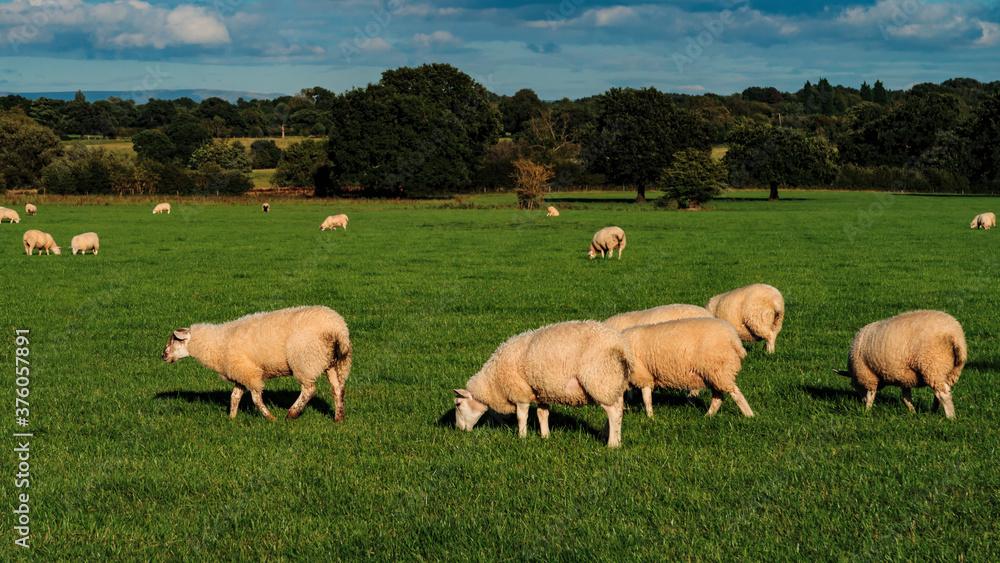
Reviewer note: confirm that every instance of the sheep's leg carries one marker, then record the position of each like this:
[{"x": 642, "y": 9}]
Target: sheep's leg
[
  {"x": 713, "y": 407},
  {"x": 908, "y": 398},
  {"x": 741, "y": 402},
  {"x": 234, "y": 400},
  {"x": 338, "y": 393},
  {"x": 869, "y": 399},
  {"x": 614, "y": 428},
  {"x": 522, "y": 419},
  {"x": 943, "y": 396},
  {"x": 543, "y": 419},
  {"x": 770, "y": 343},
  {"x": 308, "y": 390},
  {"x": 647, "y": 400},
  {"x": 258, "y": 399}
]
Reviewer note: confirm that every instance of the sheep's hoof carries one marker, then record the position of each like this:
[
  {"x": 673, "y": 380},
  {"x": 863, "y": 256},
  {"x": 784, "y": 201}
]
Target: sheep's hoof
[{"x": 292, "y": 415}]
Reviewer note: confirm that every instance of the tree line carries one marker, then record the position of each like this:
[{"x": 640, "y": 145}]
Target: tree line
[{"x": 433, "y": 130}]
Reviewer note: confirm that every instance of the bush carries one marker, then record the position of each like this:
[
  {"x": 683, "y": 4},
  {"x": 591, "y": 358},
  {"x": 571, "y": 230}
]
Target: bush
[
  {"x": 264, "y": 153},
  {"x": 298, "y": 163},
  {"x": 229, "y": 157},
  {"x": 531, "y": 182},
  {"x": 693, "y": 179}
]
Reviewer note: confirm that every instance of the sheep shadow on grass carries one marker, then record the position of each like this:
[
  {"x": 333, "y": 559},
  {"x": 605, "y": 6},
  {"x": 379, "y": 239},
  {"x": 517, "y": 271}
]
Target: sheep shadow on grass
[
  {"x": 558, "y": 421},
  {"x": 278, "y": 399}
]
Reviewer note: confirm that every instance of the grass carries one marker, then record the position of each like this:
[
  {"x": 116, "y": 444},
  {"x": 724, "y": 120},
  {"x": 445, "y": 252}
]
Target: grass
[{"x": 133, "y": 458}]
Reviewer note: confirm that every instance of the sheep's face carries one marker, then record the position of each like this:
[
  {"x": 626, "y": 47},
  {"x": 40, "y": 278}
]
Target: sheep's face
[
  {"x": 468, "y": 411},
  {"x": 57, "y": 250},
  {"x": 177, "y": 346}
]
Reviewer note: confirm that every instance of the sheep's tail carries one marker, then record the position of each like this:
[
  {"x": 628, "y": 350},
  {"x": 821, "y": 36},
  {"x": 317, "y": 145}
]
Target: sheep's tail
[
  {"x": 627, "y": 359},
  {"x": 779, "y": 317},
  {"x": 960, "y": 351}
]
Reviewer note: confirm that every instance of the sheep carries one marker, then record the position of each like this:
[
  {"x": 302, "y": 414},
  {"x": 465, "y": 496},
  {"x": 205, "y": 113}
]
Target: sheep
[
  {"x": 607, "y": 239},
  {"x": 334, "y": 221},
  {"x": 913, "y": 349},
  {"x": 9, "y": 214},
  {"x": 690, "y": 354},
  {"x": 659, "y": 314},
  {"x": 161, "y": 207},
  {"x": 755, "y": 311},
  {"x": 30, "y": 209},
  {"x": 552, "y": 212},
  {"x": 300, "y": 341},
  {"x": 266, "y": 207},
  {"x": 42, "y": 241},
  {"x": 983, "y": 220},
  {"x": 568, "y": 363},
  {"x": 85, "y": 242}
]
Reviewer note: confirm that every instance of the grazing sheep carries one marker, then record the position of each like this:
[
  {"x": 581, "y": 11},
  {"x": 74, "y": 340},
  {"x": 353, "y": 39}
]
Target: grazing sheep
[
  {"x": 688, "y": 354},
  {"x": 160, "y": 208},
  {"x": 266, "y": 207},
  {"x": 42, "y": 241},
  {"x": 334, "y": 221},
  {"x": 9, "y": 214},
  {"x": 30, "y": 209},
  {"x": 660, "y": 314},
  {"x": 552, "y": 212},
  {"x": 755, "y": 311},
  {"x": 914, "y": 349},
  {"x": 301, "y": 341},
  {"x": 607, "y": 239},
  {"x": 85, "y": 242},
  {"x": 569, "y": 363},
  {"x": 983, "y": 220}
]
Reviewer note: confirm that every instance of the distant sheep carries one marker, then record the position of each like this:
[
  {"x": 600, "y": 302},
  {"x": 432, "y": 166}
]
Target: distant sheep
[
  {"x": 569, "y": 363},
  {"x": 266, "y": 207},
  {"x": 552, "y": 212},
  {"x": 334, "y": 221},
  {"x": 30, "y": 209},
  {"x": 688, "y": 354},
  {"x": 660, "y": 314},
  {"x": 162, "y": 207},
  {"x": 42, "y": 241},
  {"x": 9, "y": 214},
  {"x": 301, "y": 341},
  {"x": 984, "y": 221},
  {"x": 914, "y": 349},
  {"x": 607, "y": 240},
  {"x": 755, "y": 311},
  {"x": 85, "y": 242}
]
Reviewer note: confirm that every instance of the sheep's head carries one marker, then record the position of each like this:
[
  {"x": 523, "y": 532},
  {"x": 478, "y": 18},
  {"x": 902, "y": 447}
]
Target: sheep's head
[
  {"x": 467, "y": 410},
  {"x": 177, "y": 346},
  {"x": 57, "y": 250}
]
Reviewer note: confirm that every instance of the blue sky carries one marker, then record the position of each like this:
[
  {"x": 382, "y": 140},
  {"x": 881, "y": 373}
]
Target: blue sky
[{"x": 558, "y": 48}]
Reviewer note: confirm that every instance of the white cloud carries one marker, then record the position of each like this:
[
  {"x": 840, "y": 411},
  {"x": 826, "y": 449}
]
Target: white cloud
[{"x": 437, "y": 38}]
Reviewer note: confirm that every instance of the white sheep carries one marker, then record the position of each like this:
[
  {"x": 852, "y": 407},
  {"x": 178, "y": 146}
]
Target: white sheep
[
  {"x": 85, "y": 242},
  {"x": 30, "y": 209},
  {"x": 334, "y": 221},
  {"x": 984, "y": 221},
  {"x": 162, "y": 207},
  {"x": 660, "y": 314},
  {"x": 266, "y": 207},
  {"x": 607, "y": 239},
  {"x": 688, "y": 354},
  {"x": 301, "y": 341},
  {"x": 9, "y": 214},
  {"x": 755, "y": 311},
  {"x": 552, "y": 212},
  {"x": 42, "y": 241},
  {"x": 913, "y": 349},
  {"x": 570, "y": 363}
]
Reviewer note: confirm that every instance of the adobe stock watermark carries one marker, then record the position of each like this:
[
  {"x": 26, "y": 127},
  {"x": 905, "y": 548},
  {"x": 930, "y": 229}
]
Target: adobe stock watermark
[
  {"x": 901, "y": 12},
  {"x": 22, "y": 470},
  {"x": 33, "y": 23},
  {"x": 714, "y": 27},
  {"x": 152, "y": 80},
  {"x": 566, "y": 9},
  {"x": 380, "y": 19}
]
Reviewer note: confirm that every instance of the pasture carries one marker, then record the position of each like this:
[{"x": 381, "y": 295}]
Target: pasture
[{"x": 132, "y": 458}]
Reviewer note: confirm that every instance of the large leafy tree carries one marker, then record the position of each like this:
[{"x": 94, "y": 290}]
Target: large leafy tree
[
  {"x": 980, "y": 153},
  {"x": 153, "y": 144},
  {"x": 25, "y": 149},
  {"x": 774, "y": 156},
  {"x": 637, "y": 134}
]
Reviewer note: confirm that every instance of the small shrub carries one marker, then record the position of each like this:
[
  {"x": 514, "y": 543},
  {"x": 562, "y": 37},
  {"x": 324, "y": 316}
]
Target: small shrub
[
  {"x": 531, "y": 182},
  {"x": 693, "y": 179}
]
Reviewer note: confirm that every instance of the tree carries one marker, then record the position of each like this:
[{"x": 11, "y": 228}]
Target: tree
[
  {"x": 637, "y": 134},
  {"x": 694, "y": 178},
  {"x": 765, "y": 155},
  {"x": 299, "y": 163},
  {"x": 879, "y": 95},
  {"x": 866, "y": 92},
  {"x": 531, "y": 181},
  {"x": 518, "y": 109},
  {"x": 153, "y": 144},
  {"x": 25, "y": 149},
  {"x": 264, "y": 153},
  {"x": 979, "y": 148},
  {"x": 228, "y": 157},
  {"x": 187, "y": 134}
]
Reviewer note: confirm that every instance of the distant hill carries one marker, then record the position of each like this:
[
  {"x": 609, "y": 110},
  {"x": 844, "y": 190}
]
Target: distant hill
[{"x": 196, "y": 95}]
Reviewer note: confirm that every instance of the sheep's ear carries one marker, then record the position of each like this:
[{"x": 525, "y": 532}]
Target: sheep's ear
[
  {"x": 182, "y": 333},
  {"x": 463, "y": 393}
]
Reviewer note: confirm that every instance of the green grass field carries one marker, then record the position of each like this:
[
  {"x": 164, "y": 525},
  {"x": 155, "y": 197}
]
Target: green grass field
[{"x": 135, "y": 459}]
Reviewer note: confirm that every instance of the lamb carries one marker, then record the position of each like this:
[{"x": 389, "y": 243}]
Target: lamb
[
  {"x": 266, "y": 207},
  {"x": 913, "y": 349},
  {"x": 300, "y": 341},
  {"x": 85, "y": 242},
  {"x": 42, "y": 241},
  {"x": 755, "y": 311},
  {"x": 568, "y": 363},
  {"x": 9, "y": 214},
  {"x": 552, "y": 212},
  {"x": 659, "y": 314},
  {"x": 30, "y": 209},
  {"x": 983, "y": 220},
  {"x": 161, "y": 207},
  {"x": 607, "y": 239},
  {"x": 688, "y": 354},
  {"x": 334, "y": 221}
]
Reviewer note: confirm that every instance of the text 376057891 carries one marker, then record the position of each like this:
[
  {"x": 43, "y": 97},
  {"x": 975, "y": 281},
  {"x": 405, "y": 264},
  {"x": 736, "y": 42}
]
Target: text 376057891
[{"x": 22, "y": 476}]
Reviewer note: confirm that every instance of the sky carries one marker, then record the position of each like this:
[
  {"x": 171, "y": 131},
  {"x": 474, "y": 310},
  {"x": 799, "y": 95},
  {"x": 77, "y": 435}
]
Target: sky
[{"x": 558, "y": 48}]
